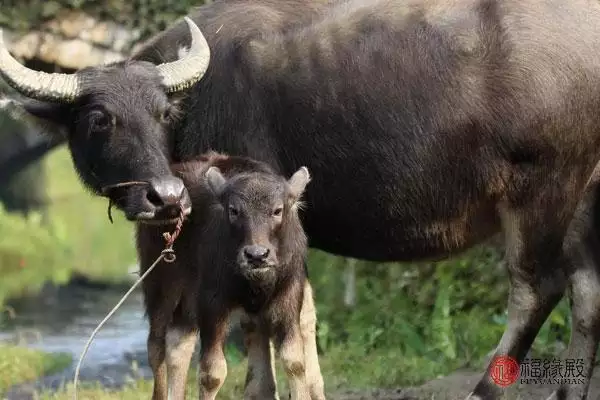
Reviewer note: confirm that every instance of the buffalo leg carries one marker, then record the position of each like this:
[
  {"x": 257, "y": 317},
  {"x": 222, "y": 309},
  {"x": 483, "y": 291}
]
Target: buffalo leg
[
  {"x": 213, "y": 365},
  {"x": 180, "y": 343},
  {"x": 585, "y": 330},
  {"x": 260, "y": 377},
  {"x": 308, "y": 328},
  {"x": 582, "y": 246},
  {"x": 535, "y": 260}
]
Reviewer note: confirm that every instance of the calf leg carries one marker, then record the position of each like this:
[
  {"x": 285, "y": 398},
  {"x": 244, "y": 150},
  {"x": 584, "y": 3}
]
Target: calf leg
[
  {"x": 160, "y": 310},
  {"x": 213, "y": 365},
  {"x": 180, "y": 343},
  {"x": 534, "y": 238},
  {"x": 308, "y": 328},
  {"x": 156, "y": 358},
  {"x": 260, "y": 376},
  {"x": 291, "y": 350}
]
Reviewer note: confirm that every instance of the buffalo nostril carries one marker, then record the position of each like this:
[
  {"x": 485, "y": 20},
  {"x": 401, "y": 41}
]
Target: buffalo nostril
[
  {"x": 166, "y": 192},
  {"x": 256, "y": 253},
  {"x": 154, "y": 198}
]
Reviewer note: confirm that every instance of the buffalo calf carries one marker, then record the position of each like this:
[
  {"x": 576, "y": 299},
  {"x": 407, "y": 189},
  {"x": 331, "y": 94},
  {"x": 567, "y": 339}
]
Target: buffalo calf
[{"x": 242, "y": 248}]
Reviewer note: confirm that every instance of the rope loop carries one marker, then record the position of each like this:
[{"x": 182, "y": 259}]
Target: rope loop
[{"x": 169, "y": 255}]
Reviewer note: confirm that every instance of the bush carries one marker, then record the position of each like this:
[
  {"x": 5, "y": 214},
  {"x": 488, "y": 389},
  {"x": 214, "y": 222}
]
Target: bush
[{"x": 415, "y": 321}]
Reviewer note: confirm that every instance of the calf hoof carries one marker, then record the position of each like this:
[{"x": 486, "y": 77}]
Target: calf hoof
[
  {"x": 317, "y": 392},
  {"x": 261, "y": 396},
  {"x": 259, "y": 391},
  {"x": 472, "y": 396}
]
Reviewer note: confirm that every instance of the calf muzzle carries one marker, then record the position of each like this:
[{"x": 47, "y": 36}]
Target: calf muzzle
[{"x": 256, "y": 255}]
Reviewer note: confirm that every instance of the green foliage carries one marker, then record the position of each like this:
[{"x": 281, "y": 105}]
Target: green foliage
[
  {"x": 21, "y": 365},
  {"x": 99, "y": 250},
  {"x": 30, "y": 254},
  {"x": 415, "y": 321},
  {"x": 149, "y": 16},
  {"x": 75, "y": 238}
]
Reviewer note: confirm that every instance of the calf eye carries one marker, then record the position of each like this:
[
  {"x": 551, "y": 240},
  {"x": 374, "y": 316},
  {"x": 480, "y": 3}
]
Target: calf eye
[
  {"x": 233, "y": 212},
  {"x": 277, "y": 212}
]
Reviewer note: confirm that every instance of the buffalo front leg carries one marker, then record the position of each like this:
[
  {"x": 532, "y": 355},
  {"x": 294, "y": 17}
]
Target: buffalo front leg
[
  {"x": 213, "y": 365},
  {"x": 535, "y": 262},
  {"x": 308, "y": 328},
  {"x": 180, "y": 344},
  {"x": 260, "y": 376}
]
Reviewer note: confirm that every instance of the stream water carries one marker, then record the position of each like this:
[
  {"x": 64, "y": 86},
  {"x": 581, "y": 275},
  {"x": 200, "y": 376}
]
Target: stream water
[{"x": 62, "y": 320}]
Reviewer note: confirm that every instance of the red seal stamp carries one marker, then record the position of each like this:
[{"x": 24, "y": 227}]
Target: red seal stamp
[{"x": 504, "y": 370}]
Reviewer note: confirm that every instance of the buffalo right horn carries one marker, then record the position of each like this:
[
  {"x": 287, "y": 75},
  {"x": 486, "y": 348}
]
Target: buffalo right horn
[
  {"x": 54, "y": 87},
  {"x": 183, "y": 73}
]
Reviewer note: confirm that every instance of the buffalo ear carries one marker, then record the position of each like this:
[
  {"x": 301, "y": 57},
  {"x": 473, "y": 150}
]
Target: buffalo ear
[
  {"x": 298, "y": 182},
  {"x": 52, "y": 118},
  {"x": 216, "y": 180}
]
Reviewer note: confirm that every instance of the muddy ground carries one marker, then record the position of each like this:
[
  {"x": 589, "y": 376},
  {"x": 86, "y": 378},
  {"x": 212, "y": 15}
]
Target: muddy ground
[{"x": 456, "y": 387}]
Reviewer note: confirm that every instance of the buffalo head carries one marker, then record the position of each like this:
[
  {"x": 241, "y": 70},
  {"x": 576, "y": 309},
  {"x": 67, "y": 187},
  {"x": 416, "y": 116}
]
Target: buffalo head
[{"x": 115, "y": 120}]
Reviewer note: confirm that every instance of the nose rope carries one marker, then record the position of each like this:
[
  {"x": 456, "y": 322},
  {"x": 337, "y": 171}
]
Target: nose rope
[
  {"x": 171, "y": 237},
  {"x": 168, "y": 255},
  {"x": 106, "y": 189}
]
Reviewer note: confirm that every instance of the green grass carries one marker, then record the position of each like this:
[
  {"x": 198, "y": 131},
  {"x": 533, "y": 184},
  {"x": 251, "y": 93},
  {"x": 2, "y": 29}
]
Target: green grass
[{"x": 20, "y": 365}]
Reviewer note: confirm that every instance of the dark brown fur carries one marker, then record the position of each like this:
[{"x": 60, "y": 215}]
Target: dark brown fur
[{"x": 206, "y": 284}]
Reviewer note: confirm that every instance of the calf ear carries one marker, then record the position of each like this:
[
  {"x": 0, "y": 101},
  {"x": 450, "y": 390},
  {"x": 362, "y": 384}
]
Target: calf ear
[
  {"x": 298, "y": 182},
  {"x": 216, "y": 180}
]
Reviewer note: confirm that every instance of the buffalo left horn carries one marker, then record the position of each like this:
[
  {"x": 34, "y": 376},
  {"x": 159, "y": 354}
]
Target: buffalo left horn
[
  {"x": 183, "y": 73},
  {"x": 55, "y": 87}
]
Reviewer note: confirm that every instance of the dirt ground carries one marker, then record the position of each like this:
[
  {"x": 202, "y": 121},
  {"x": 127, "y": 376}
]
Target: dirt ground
[{"x": 456, "y": 387}]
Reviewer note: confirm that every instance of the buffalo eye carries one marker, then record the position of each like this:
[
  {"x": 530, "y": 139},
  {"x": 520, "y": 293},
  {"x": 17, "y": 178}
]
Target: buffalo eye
[
  {"x": 277, "y": 212},
  {"x": 101, "y": 121},
  {"x": 165, "y": 116},
  {"x": 233, "y": 212}
]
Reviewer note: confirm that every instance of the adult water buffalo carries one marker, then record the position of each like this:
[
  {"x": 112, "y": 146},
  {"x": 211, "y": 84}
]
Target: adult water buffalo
[{"x": 428, "y": 126}]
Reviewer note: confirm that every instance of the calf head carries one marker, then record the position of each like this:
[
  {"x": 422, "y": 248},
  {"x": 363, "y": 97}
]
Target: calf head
[
  {"x": 261, "y": 211},
  {"x": 115, "y": 119}
]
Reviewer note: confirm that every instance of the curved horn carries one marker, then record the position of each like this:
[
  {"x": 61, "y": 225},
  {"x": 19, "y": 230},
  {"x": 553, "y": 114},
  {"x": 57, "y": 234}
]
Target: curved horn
[
  {"x": 38, "y": 85},
  {"x": 183, "y": 73}
]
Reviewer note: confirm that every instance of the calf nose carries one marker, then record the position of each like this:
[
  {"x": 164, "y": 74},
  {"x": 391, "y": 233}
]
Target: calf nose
[
  {"x": 166, "y": 192},
  {"x": 256, "y": 253}
]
